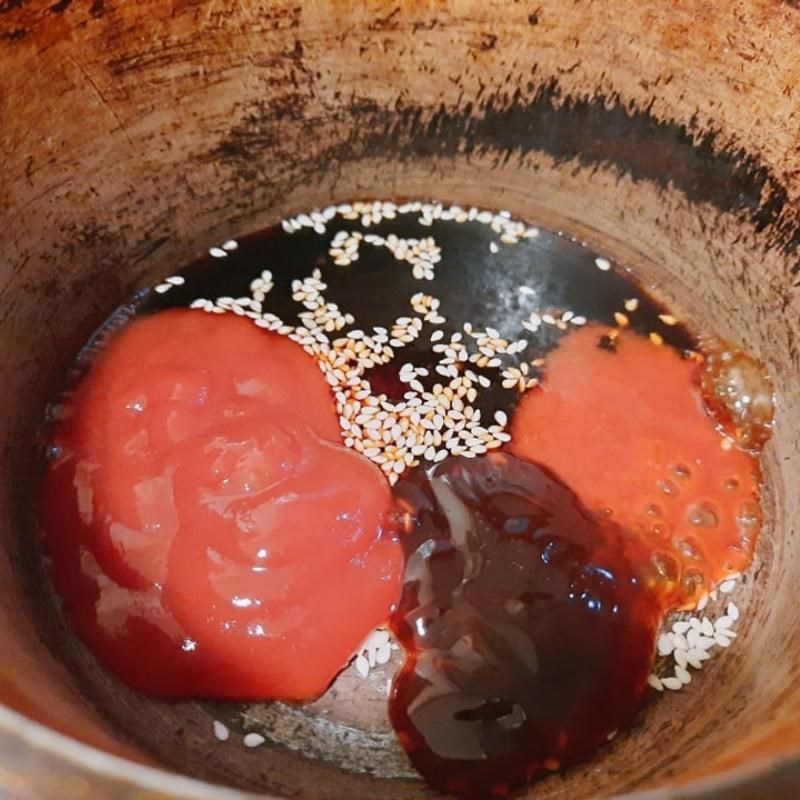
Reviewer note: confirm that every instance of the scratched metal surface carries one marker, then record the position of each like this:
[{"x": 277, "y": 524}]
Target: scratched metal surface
[{"x": 133, "y": 136}]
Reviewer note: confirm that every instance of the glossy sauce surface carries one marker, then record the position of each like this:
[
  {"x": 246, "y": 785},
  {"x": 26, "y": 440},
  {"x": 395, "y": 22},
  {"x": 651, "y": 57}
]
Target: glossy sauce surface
[
  {"x": 201, "y": 510},
  {"x": 738, "y": 393},
  {"x": 627, "y": 428},
  {"x": 528, "y": 635}
]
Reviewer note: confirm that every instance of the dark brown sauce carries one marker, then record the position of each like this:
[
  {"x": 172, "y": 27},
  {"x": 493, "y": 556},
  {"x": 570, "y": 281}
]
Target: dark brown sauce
[{"x": 528, "y": 635}]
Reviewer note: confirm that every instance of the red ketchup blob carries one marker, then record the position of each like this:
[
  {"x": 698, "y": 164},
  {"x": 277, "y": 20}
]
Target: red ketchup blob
[
  {"x": 627, "y": 428},
  {"x": 209, "y": 535},
  {"x": 528, "y": 635}
]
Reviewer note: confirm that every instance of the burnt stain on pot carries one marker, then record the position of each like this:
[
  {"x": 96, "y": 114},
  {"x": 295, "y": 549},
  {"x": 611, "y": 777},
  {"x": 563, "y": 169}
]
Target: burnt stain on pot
[
  {"x": 388, "y": 22},
  {"x": 596, "y": 131},
  {"x": 9, "y": 5},
  {"x": 14, "y": 35},
  {"x": 599, "y": 131}
]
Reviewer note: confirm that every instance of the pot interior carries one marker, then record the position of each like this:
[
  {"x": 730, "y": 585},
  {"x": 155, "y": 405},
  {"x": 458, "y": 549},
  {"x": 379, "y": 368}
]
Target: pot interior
[{"x": 137, "y": 136}]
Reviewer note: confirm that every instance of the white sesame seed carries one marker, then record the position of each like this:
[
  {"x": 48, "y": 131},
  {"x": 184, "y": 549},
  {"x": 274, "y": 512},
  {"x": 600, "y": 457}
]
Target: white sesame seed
[
  {"x": 727, "y": 586},
  {"x": 230, "y": 245},
  {"x": 682, "y": 674},
  {"x": 679, "y": 640},
  {"x": 673, "y": 684},
  {"x": 221, "y": 731},
  {"x": 362, "y": 665},
  {"x": 697, "y": 654},
  {"x": 681, "y": 626},
  {"x": 217, "y": 252},
  {"x": 383, "y": 654},
  {"x": 603, "y": 264},
  {"x": 253, "y": 740},
  {"x": 701, "y": 651}
]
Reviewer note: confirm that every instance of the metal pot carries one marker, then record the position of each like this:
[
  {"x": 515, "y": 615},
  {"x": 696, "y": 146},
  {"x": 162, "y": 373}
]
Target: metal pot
[{"x": 134, "y": 135}]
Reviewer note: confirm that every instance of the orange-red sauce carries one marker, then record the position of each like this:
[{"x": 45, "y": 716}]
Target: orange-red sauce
[
  {"x": 209, "y": 535},
  {"x": 627, "y": 429}
]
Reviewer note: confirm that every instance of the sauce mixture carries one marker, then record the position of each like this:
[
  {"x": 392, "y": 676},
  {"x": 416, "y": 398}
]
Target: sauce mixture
[
  {"x": 219, "y": 494},
  {"x": 528, "y": 618}
]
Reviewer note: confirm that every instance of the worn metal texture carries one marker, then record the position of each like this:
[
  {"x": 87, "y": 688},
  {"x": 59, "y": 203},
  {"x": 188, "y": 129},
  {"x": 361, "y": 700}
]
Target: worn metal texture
[{"x": 135, "y": 135}]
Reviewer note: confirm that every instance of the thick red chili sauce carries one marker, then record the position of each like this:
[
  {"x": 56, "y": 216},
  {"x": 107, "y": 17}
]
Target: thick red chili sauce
[{"x": 209, "y": 535}]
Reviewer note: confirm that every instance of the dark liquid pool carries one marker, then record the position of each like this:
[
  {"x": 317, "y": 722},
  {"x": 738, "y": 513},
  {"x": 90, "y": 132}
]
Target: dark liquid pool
[{"x": 529, "y": 633}]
